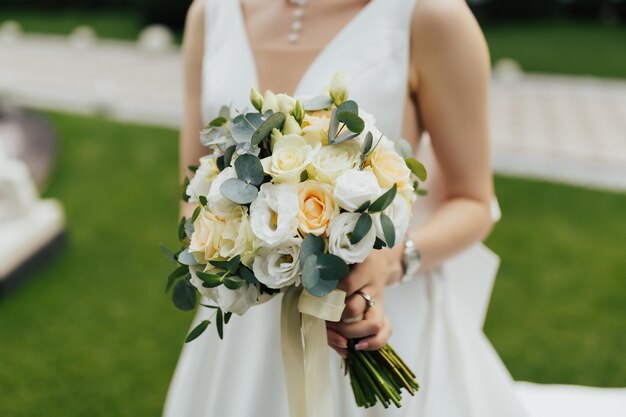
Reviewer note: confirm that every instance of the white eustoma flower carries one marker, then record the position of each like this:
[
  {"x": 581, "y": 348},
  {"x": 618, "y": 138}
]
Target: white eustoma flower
[
  {"x": 353, "y": 188},
  {"x": 200, "y": 184},
  {"x": 278, "y": 267},
  {"x": 290, "y": 156},
  {"x": 399, "y": 211},
  {"x": 333, "y": 160},
  {"x": 237, "y": 238},
  {"x": 273, "y": 215},
  {"x": 339, "y": 244},
  {"x": 219, "y": 204}
]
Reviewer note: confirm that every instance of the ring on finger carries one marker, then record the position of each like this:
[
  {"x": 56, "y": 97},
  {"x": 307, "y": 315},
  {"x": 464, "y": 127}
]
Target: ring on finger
[{"x": 369, "y": 300}]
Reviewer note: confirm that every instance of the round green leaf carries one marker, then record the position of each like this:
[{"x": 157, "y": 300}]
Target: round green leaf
[
  {"x": 389, "y": 231},
  {"x": 275, "y": 121},
  {"x": 403, "y": 147},
  {"x": 352, "y": 121},
  {"x": 197, "y": 331},
  {"x": 331, "y": 267},
  {"x": 361, "y": 228},
  {"x": 218, "y": 121},
  {"x": 239, "y": 191},
  {"x": 348, "y": 106},
  {"x": 321, "y": 274},
  {"x": 249, "y": 169},
  {"x": 311, "y": 245},
  {"x": 245, "y": 125},
  {"x": 184, "y": 295}
]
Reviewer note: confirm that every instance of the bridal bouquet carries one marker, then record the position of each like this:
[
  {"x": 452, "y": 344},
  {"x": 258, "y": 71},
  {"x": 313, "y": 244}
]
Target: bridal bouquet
[{"x": 288, "y": 196}]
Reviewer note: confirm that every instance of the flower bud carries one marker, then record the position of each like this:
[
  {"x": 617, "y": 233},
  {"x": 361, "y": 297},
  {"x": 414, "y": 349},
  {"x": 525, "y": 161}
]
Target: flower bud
[
  {"x": 291, "y": 126},
  {"x": 338, "y": 89},
  {"x": 298, "y": 112},
  {"x": 256, "y": 99}
]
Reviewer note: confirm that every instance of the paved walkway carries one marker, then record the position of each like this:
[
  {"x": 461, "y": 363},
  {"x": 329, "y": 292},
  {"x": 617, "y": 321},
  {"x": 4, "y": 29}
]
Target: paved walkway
[{"x": 558, "y": 128}]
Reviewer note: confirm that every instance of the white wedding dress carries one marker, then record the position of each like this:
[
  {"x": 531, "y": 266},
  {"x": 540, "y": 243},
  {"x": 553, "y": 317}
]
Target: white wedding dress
[{"x": 437, "y": 317}]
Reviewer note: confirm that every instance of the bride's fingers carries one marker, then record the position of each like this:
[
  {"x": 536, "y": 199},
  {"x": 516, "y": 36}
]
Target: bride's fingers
[
  {"x": 370, "y": 325},
  {"x": 336, "y": 340},
  {"x": 355, "y": 308},
  {"x": 342, "y": 352},
  {"x": 378, "y": 340}
]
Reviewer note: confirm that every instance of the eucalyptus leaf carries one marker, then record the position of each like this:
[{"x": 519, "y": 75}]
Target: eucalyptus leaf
[
  {"x": 189, "y": 228},
  {"x": 304, "y": 175},
  {"x": 197, "y": 331},
  {"x": 249, "y": 169},
  {"x": 247, "y": 275},
  {"x": 233, "y": 264},
  {"x": 184, "y": 295},
  {"x": 311, "y": 245},
  {"x": 422, "y": 192},
  {"x": 196, "y": 213},
  {"x": 186, "y": 258},
  {"x": 184, "y": 195},
  {"x": 181, "y": 228},
  {"x": 363, "y": 207},
  {"x": 220, "y": 264},
  {"x": 239, "y": 191},
  {"x": 379, "y": 243},
  {"x": 228, "y": 155},
  {"x": 389, "y": 231},
  {"x": 348, "y": 106},
  {"x": 168, "y": 253},
  {"x": 177, "y": 273},
  {"x": 218, "y": 121},
  {"x": 333, "y": 126},
  {"x": 312, "y": 281},
  {"x": 361, "y": 228},
  {"x": 247, "y": 148},
  {"x": 233, "y": 283},
  {"x": 367, "y": 144},
  {"x": 317, "y": 103},
  {"x": 245, "y": 125},
  {"x": 219, "y": 321},
  {"x": 382, "y": 202},
  {"x": 220, "y": 163},
  {"x": 275, "y": 121},
  {"x": 344, "y": 137},
  {"x": 352, "y": 121},
  {"x": 403, "y": 147},
  {"x": 227, "y": 317},
  {"x": 209, "y": 280},
  {"x": 202, "y": 199},
  {"x": 416, "y": 168}
]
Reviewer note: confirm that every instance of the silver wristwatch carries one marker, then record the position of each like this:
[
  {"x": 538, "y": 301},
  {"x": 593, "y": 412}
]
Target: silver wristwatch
[{"x": 412, "y": 260}]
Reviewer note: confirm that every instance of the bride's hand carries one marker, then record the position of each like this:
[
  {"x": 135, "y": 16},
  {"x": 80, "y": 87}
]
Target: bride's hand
[{"x": 370, "y": 325}]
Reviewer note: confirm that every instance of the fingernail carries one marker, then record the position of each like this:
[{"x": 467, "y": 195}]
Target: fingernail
[{"x": 361, "y": 346}]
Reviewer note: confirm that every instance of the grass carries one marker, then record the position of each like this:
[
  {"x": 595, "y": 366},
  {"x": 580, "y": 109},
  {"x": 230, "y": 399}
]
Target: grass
[
  {"x": 554, "y": 47},
  {"x": 94, "y": 335}
]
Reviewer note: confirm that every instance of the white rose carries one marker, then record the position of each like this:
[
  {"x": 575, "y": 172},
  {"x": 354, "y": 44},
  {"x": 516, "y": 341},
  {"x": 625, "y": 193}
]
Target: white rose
[
  {"x": 273, "y": 215},
  {"x": 205, "y": 238},
  {"x": 399, "y": 211},
  {"x": 278, "y": 267},
  {"x": 353, "y": 188},
  {"x": 237, "y": 237},
  {"x": 290, "y": 156},
  {"x": 315, "y": 129},
  {"x": 333, "y": 160},
  {"x": 234, "y": 301},
  {"x": 219, "y": 204},
  {"x": 339, "y": 242},
  {"x": 200, "y": 184}
]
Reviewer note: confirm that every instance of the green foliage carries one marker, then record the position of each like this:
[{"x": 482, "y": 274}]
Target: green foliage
[
  {"x": 197, "y": 331},
  {"x": 274, "y": 121},
  {"x": 321, "y": 274},
  {"x": 239, "y": 191},
  {"x": 416, "y": 168},
  {"x": 317, "y": 103},
  {"x": 361, "y": 228},
  {"x": 249, "y": 169},
  {"x": 311, "y": 245},
  {"x": 389, "y": 231},
  {"x": 184, "y": 295},
  {"x": 382, "y": 202}
]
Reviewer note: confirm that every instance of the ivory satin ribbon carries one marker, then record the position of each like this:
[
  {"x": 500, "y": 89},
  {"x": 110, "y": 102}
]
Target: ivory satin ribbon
[{"x": 305, "y": 350}]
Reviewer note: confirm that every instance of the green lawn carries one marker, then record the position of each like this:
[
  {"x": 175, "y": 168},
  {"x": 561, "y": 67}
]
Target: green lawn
[
  {"x": 562, "y": 47},
  {"x": 95, "y": 335}
]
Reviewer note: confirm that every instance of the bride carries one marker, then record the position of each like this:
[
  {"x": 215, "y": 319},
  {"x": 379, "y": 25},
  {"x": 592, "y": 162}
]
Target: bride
[{"x": 422, "y": 68}]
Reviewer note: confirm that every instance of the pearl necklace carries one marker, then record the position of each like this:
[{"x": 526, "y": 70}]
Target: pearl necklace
[{"x": 296, "y": 26}]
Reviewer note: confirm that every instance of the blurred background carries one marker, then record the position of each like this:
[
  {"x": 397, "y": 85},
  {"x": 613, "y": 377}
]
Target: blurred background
[{"x": 89, "y": 108}]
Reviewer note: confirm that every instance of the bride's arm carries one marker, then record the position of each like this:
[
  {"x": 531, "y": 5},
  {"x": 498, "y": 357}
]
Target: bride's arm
[
  {"x": 190, "y": 148},
  {"x": 450, "y": 60}
]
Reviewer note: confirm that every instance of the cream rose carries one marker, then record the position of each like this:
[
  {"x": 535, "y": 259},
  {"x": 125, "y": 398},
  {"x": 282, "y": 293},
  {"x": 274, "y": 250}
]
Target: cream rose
[
  {"x": 290, "y": 156},
  {"x": 339, "y": 244},
  {"x": 237, "y": 237},
  {"x": 333, "y": 160},
  {"x": 278, "y": 267},
  {"x": 354, "y": 188},
  {"x": 315, "y": 129},
  {"x": 205, "y": 239},
  {"x": 273, "y": 215},
  {"x": 317, "y": 207},
  {"x": 389, "y": 168},
  {"x": 200, "y": 184},
  {"x": 219, "y": 204}
]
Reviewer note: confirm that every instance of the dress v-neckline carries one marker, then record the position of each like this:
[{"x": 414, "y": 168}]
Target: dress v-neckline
[{"x": 323, "y": 52}]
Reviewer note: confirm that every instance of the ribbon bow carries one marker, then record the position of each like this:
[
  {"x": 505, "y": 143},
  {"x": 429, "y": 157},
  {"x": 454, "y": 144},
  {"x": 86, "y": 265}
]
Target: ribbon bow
[{"x": 305, "y": 350}]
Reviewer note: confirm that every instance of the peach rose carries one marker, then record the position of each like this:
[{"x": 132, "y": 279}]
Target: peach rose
[{"x": 316, "y": 207}]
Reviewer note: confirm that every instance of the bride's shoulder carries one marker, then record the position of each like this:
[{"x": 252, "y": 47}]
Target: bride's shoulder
[{"x": 440, "y": 29}]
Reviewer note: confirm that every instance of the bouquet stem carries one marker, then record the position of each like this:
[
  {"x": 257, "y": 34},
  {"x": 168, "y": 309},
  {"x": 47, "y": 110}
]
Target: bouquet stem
[{"x": 378, "y": 375}]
